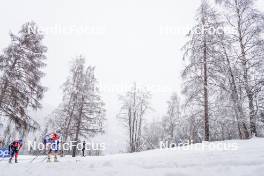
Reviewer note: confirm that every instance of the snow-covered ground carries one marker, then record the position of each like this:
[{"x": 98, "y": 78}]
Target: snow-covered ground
[{"x": 246, "y": 160}]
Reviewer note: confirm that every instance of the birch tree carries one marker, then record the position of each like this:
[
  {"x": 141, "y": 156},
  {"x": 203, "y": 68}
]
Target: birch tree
[
  {"x": 246, "y": 23},
  {"x": 171, "y": 120},
  {"x": 135, "y": 105}
]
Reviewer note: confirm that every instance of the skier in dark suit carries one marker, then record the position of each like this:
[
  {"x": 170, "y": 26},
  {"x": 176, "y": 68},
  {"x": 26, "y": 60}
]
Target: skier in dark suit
[{"x": 14, "y": 148}]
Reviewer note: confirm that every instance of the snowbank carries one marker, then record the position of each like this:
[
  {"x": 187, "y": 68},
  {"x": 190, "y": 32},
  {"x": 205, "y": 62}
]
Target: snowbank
[{"x": 247, "y": 159}]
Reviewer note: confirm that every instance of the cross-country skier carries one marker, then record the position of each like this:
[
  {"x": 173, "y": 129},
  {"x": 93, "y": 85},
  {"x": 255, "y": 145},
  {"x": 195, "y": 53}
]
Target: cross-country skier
[
  {"x": 52, "y": 142},
  {"x": 83, "y": 149},
  {"x": 14, "y": 148}
]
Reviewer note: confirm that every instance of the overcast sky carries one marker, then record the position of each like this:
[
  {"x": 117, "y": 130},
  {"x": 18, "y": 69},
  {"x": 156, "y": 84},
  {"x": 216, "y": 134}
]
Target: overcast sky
[{"x": 127, "y": 40}]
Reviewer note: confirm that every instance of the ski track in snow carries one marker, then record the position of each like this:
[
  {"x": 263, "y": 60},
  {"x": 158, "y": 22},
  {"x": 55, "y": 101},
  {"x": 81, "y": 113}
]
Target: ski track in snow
[{"x": 248, "y": 160}]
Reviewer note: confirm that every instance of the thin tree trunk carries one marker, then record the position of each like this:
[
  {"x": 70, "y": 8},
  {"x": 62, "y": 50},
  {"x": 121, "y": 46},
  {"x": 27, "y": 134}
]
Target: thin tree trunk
[
  {"x": 242, "y": 128},
  {"x": 134, "y": 121},
  {"x": 205, "y": 86},
  {"x": 245, "y": 76}
]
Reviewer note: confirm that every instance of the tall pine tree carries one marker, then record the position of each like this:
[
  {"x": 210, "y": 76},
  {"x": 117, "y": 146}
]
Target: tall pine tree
[{"x": 21, "y": 71}]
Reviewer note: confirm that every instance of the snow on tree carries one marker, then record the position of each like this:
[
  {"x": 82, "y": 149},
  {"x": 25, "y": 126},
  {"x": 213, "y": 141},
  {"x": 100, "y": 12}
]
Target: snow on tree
[
  {"x": 171, "y": 120},
  {"x": 246, "y": 23},
  {"x": 199, "y": 74},
  {"x": 20, "y": 76},
  {"x": 135, "y": 104},
  {"x": 153, "y": 134},
  {"x": 81, "y": 114}
]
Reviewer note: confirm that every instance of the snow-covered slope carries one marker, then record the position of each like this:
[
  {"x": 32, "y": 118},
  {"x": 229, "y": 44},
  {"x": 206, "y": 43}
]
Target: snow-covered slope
[{"x": 247, "y": 160}]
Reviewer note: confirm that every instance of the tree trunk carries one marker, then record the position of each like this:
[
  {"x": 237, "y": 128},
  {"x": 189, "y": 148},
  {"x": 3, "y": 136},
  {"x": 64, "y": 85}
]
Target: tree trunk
[
  {"x": 242, "y": 128},
  {"x": 245, "y": 76},
  {"x": 74, "y": 149},
  {"x": 205, "y": 87}
]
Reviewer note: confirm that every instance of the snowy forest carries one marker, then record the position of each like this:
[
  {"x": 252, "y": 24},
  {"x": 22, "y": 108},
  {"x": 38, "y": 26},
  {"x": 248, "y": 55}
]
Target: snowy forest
[{"x": 222, "y": 95}]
